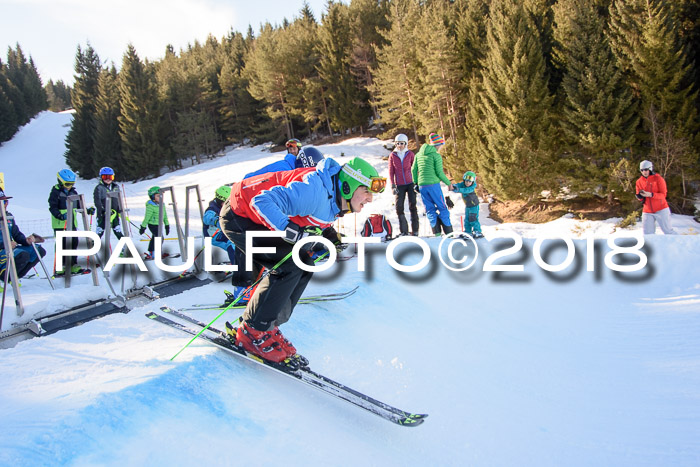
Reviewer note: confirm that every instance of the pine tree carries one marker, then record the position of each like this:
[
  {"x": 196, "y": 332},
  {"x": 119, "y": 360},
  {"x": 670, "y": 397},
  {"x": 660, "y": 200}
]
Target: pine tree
[
  {"x": 266, "y": 82},
  {"x": 140, "y": 124},
  {"x": 108, "y": 151},
  {"x": 9, "y": 120},
  {"x": 397, "y": 77},
  {"x": 441, "y": 96},
  {"x": 599, "y": 115},
  {"x": 80, "y": 141},
  {"x": 346, "y": 103},
  {"x": 368, "y": 21},
  {"x": 241, "y": 115},
  {"x": 646, "y": 40},
  {"x": 515, "y": 160},
  {"x": 58, "y": 95}
]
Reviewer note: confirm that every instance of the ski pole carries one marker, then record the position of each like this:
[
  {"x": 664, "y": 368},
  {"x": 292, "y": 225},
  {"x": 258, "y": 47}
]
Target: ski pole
[
  {"x": 4, "y": 290},
  {"x": 36, "y": 250},
  {"x": 250, "y": 287},
  {"x": 263, "y": 276}
]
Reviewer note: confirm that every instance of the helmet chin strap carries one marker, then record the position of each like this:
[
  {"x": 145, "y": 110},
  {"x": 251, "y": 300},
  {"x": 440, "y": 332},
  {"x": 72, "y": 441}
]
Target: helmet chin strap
[{"x": 345, "y": 205}]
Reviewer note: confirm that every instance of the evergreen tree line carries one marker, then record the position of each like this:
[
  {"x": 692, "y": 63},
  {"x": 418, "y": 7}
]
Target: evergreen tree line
[
  {"x": 533, "y": 95},
  {"x": 21, "y": 93}
]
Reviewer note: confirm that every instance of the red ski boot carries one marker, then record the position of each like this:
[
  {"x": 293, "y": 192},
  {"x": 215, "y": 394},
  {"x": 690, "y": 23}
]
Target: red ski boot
[
  {"x": 260, "y": 343},
  {"x": 288, "y": 347}
]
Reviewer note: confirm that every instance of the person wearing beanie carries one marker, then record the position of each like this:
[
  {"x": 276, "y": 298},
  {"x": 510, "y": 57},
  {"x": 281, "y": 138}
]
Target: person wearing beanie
[
  {"x": 427, "y": 173},
  {"x": 401, "y": 178}
]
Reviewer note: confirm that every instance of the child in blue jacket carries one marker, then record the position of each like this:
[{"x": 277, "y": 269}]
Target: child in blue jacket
[{"x": 467, "y": 188}]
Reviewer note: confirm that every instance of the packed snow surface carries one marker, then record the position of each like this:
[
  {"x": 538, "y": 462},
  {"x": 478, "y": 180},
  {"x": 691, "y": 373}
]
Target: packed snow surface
[{"x": 531, "y": 367}]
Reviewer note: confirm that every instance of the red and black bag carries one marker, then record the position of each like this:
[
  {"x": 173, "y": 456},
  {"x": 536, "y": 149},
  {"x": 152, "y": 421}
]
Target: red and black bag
[{"x": 377, "y": 225}]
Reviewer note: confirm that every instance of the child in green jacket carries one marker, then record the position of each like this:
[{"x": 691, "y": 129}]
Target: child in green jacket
[{"x": 150, "y": 220}]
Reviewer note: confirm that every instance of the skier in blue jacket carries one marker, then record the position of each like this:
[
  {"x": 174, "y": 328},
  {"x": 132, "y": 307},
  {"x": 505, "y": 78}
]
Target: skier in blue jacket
[
  {"x": 297, "y": 158},
  {"x": 295, "y": 203},
  {"x": 467, "y": 189}
]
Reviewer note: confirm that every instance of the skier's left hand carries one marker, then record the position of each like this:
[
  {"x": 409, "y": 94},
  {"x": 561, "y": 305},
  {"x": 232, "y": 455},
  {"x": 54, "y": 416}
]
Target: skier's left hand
[
  {"x": 449, "y": 202},
  {"x": 331, "y": 234},
  {"x": 90, "y": 211},
  {"x": 167, "y": 229}
]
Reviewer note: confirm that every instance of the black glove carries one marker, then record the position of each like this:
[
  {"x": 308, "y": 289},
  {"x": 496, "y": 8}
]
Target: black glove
[
  {"x": 331, "y": 234},
  {"x": 90, "y": 210},
  {"x": 167, "y": 229},
  {"x": 62, "y": 217},
  {"x": 449, "y": 202},
  {"x": 395, "y": 190},
  {"x": 416, "y": 188},
  {"x": 142, "y": 230}
]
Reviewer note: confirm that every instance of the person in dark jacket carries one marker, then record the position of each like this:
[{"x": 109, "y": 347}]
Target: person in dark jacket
[
  {"x": 401, "y": 178},
  {"x": 99, "y": 196},
  {"x": 58, "y": 209},
  {"x": 298, "y": 203},
  {"x": 22, "y": 249}
]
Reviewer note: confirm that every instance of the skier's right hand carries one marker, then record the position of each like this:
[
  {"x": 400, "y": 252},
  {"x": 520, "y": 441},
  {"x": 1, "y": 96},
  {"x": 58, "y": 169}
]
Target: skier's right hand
[
  {"x": 294, "y": 232},
  {"x": 416, "y": 188},
  {"x": 62, "y": 217},
  {"x": 142, "y": 230},
  {"x": 395, "y": 190}
]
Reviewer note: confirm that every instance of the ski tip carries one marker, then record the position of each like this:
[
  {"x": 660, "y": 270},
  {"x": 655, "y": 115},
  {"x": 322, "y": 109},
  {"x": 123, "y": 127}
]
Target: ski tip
[
  {"x": 151, "y": 315},
  {"x": 412, "y": 420}
]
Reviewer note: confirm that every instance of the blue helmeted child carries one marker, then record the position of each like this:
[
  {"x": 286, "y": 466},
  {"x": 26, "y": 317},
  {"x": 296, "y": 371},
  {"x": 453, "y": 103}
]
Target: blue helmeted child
[{"x": 467, "y": 188}]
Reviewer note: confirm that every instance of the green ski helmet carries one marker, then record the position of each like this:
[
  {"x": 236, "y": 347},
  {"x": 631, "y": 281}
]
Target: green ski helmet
[
  {"x": 357, "y": 173},
  {"x": 153, "y": 191},
  {"x": 469, "y": 176},
  {"x": 223, "y": 193}
]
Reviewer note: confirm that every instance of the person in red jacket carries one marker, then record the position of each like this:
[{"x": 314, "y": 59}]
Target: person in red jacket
[
  {"x": 651, "y": 192},
  {"x": 400, "y": 163}
]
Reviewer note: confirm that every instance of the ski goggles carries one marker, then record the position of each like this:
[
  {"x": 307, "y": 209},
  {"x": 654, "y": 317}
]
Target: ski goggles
[
  {"x": 293, "y": 143},
  {"x": 68, "y": 184},
  {"x": 108, "y": 177},
  {"x": 377, "y": 184}
]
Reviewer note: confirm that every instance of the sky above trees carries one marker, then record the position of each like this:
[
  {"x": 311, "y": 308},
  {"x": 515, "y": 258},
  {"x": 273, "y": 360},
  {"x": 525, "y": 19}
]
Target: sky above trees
[{"x": 50, "y": 30}]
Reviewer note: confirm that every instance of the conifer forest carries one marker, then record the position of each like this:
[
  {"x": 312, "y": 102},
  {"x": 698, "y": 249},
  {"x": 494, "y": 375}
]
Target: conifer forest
[{"x": 558, "y": 96}]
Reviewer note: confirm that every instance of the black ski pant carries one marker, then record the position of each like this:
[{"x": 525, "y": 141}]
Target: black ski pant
[
  {"x": 279, "y": 291},
  {"x": 115, "y": 223},
  {"x": 404, "y": 190},
  {"x": 154, "y": 233}
]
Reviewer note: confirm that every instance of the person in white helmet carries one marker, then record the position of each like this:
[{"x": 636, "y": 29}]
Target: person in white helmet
[
  {"x": 651, "y": 192},
  {"x": 401, "y": 178}
]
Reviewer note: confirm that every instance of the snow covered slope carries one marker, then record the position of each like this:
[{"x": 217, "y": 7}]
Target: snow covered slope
[{"x": 518, "y": 368}]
